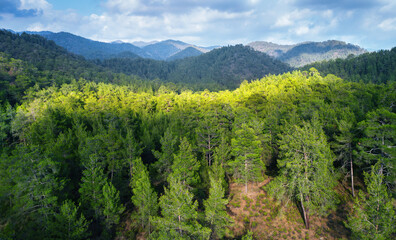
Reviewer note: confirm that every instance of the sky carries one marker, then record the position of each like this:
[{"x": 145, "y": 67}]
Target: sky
[{"x": 370, "y": 24}]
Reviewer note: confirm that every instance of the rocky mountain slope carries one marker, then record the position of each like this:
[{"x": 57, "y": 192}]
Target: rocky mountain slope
[{"x": 301, "y": 54}]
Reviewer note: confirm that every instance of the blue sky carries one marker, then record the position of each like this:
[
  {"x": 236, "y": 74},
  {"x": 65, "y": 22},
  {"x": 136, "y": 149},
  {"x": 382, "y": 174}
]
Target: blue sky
[{"x": 368, "y": 23}]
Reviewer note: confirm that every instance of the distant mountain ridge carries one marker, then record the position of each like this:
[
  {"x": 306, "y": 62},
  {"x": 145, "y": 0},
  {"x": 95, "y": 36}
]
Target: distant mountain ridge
[
  {"x": 298, "y": 55},
  {"x": 91, "y": 49}
]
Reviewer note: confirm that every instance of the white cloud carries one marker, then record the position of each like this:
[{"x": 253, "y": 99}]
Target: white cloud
[
  {"x": 293, "y": 18},
  {"x": 284, "y": 21},
  {"x": 302, "y": 30},
  {"x": 389, "y": 6},
  {"x": 388, "y": 24},
  {"x": 124, "y": 6},
  {"x": 34, "y": 4},
  {"x": 215, "y": 22}
]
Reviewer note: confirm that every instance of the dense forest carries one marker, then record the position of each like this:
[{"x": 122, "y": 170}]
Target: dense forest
[
  {"x": 301, "y": 155},
  {"x": 222, "y": 68},
  {"x": 376, "y": 67}
]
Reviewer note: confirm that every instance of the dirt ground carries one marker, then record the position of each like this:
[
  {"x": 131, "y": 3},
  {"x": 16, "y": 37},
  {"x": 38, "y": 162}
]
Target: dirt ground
[{"x": 267, "y": 219}]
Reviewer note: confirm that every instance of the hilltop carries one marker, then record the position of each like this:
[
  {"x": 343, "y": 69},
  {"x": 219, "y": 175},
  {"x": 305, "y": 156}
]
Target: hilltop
[{"x": 301, "y": 54}]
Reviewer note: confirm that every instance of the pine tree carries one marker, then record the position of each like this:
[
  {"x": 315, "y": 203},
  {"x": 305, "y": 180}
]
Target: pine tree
[
  {"x": 379, "y": 142},
  {"x": 112, "y": 141},
  {"x": 179, "y": 214},
  {"x": 223, "y": 152},
  {"x": 306, "y": 170},
  {"x": 67, "y": 224},
  {"x": 132, "y": 149},
  {"x": 373, "y": 216},
  {"x": 144, "y": 197},
  {"x": 112, "y": 208},
  {"x": 91, "y": 188},
  {"x": 33, "y": 198},
  {"x": 165, "y": 157},
  {"x": 246, "y": 148},
  {"x": 208, "y": 134},
  {"x": 185, "y": 166},
  {"x": 215, "y": 208},
  {"x": 343, "y": 147}
]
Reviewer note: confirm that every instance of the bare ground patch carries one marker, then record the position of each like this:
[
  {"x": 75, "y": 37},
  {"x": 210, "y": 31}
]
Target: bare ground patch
[{"x": 268, "y": 219}]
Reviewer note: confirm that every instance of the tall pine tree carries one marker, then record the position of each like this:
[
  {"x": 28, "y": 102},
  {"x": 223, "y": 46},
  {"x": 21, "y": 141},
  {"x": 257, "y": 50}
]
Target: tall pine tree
[
  {"x": 215, "y": 208},
  {"x": 185, "y": 166},
  {"x": 179, "y": 214},
  {"x": 246, "y": 148},
  {"x": 144, "y": 197},
  {"x": 91, "y": 187},
  {"x": 373, "y": 215},
  {"x": 306, "y": 170}
]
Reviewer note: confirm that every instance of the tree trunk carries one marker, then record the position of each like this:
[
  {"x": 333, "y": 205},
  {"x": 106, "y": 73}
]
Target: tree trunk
[
  {"x": 307, "y": 217},
  {"x": 305, "y": 213},
  {"x": 180, "y": 230},
  {"x": 353, "y": 187},
  {"x": 246, "y": 177}
]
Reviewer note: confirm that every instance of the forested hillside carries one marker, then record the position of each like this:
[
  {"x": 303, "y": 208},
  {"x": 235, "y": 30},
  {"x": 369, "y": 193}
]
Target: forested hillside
[
  {"x": 88, "y": 153},
  {"x": 31, "y": 61},
  {"x": 376, "y": 67},
  {"x": 222, "y": 68}
]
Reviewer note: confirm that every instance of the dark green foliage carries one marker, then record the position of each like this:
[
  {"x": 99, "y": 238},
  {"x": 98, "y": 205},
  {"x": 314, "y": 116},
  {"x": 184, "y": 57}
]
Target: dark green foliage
[
  {"x": 373, "y": 215},
  {"x": 246, "y": 148},
  {"x": 92, "y": 182},
  {"x": 221, "y": 68},
  {"x": 185, "y": 166},
  {"x": 179, "y": 214},
  {"x": 306, "y": 167},
  {"x": 378, "y": 143},
  {"x": 112, "y": 208},
  {"x": 45, "y": 64},
  {"x": 67, "y": 224},
  {"x": 144, "y": 197},
  {"x": 215, "y": 208},
  {"x": 165, "y": 158},
  {"x": 33, "y": 186},
  {"x": 343, "y": 147},
  {"x": 376, "y": 67},
  {"x": 44, "y": 54}
]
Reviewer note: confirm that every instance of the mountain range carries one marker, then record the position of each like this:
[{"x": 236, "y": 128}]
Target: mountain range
[
  {"x": 90, "y": 49},
  {"x": 295, "y": 55},
  {"x": 220, "y": 69},
  {"x": 301, "y": 54}
]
